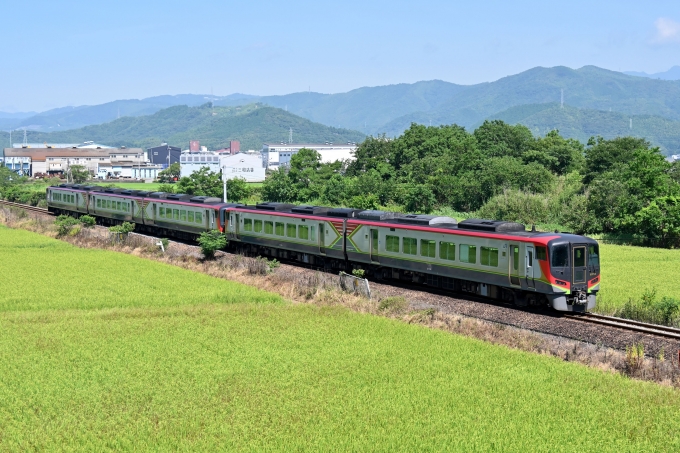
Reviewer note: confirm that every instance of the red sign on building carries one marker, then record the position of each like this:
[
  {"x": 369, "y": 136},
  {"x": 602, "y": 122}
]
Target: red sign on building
[{"x": 194, "y": 145}]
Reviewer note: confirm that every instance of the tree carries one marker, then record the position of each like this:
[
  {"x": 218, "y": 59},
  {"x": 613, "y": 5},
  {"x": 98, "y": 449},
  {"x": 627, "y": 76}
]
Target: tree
[
  {"x": 210, "y": 242},
  {"x": 497, "y": 139},
  {"x": 237, "y": 190},
  {"x": 170, "y": 174},
  {"x": 9, "y": 178},
  {"x": 277, "y": 187},
  {"x": 201, "y": 182},
  {"x": 78, "y": 173}
]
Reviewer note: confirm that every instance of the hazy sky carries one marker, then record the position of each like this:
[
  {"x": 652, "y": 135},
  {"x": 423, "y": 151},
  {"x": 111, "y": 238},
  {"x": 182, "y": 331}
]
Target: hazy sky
[{"x": 57, "y": 53}]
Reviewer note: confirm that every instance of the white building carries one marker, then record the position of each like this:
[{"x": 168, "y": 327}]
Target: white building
[
  {"x": 247, "y": 166},
  {"x": 274, "y": 155},
  {"x": 190, "y": 162}
]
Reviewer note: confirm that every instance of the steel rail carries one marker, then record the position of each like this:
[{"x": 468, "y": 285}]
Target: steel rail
[
  {"x": 24, "y": 206},
  {"x": 627, "y": 324}
]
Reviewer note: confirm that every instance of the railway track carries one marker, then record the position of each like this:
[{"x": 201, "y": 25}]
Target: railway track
[
  {"x": 609, "y": 321},
  {"x": 627, "y": 324},
  {"x": 24, "y": 206}
]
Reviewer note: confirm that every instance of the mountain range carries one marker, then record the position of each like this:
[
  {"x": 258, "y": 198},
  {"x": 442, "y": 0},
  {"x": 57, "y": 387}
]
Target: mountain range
[
  {"x": 652, "y": 102},
  {"x": 672, "y": 74},
  {"x": 252, "y": 125}
]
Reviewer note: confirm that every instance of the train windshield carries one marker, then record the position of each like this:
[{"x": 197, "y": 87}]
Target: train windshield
[
  {"x": 594, "y": 255},
  {"x": 560, "y": 255}
]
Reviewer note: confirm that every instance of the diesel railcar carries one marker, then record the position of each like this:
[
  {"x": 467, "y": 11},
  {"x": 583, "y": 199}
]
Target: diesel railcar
[{"x": 496, "y": 259}]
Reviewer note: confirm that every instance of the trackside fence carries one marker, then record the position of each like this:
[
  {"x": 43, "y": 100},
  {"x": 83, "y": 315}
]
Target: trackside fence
[{"x": 357, "y": 285}]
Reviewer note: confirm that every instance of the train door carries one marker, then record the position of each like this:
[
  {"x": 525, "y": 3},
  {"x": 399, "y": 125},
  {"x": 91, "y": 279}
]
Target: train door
[
  {"x": 529, "y": 262},
  {"x": 212, "y": 219},
  {"x": 322, "y": 238},
  {"x": 237, "y": 225},
  {"x": 375, "y": 256},
  {"x": 579, "y": 265},
  {"x": 513, "y": 264}
]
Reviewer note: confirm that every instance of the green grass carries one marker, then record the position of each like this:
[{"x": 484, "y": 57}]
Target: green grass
[
  {"x": 119, "y": 368},
  {"x": 67, "y": 277},
  {"x": 628, "y": 271}
]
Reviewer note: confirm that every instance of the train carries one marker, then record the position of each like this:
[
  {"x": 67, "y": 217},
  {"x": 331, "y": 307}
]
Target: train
[{"x": 495, "y": 259}]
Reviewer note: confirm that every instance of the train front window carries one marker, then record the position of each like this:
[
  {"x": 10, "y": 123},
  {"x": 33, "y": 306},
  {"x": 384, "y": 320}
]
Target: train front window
[
  {"x": 594, "y": 255},
  {"x": 560, "y": 255}
]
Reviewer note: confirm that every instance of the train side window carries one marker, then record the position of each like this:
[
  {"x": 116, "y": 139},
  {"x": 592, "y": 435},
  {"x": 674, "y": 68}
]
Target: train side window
[
  {"x": 392, "y": 244},
  {"x": 199, "y": 217},
  {"x": 312, "y": 233},
  {"x": 168, "y": 213},
  {"x": 268, "y": 227},
  {"x": 175, "y": 214},
  {"x": 190, "y": 216},
  {"x": 541, "y": 254},
  {"x": 183, "y": 215},
  {"x": 290, "y": 230},
  {"x": 161, "y": 212},
  {"x": 247, "y": 224},
  {"x": 428, "y": 248},
  {"x": 258, "y": 226},
  {"x": 560, "y": 255},
  {"x": 410, "y": 246},
  {"x": 468, "y": 253},
  {"x": 108, "y": 204},
  {"x": 488, "y": 256},
  {"x": 447, "y": 251},
  {"x": 279, "y": 229},
  {"x": 99, "y": 203},
  {"x": 303, "y": 232}
]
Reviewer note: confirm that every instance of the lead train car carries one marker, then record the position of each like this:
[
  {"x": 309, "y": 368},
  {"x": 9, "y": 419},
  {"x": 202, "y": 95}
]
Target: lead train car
[{"x": 495, "y": 259}]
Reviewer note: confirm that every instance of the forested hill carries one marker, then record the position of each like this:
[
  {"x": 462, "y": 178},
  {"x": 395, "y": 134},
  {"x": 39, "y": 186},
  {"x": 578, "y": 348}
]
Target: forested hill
[
  {"x": 589, "y": 87},
  {"x": 582, "y": 124},
  {"x": 252, "y": 125}
]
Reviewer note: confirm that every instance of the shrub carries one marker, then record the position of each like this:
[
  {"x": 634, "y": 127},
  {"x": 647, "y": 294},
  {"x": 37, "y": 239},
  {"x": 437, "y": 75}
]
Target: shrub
[
  {"x": 517, "y": 206},
  {"x": 88, "y": 221},
  {"x": 665, "y": 311},
  {"x": 392, "y": 304},
  {"x": 65, "y": 224},
  {"x": 125, "y": 228},
  {"x": 210, "y": 242},
  {"x": 358, "y": 273}
]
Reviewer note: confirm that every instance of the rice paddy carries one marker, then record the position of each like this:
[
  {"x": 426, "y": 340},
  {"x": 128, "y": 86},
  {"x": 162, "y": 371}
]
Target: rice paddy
[
  {"x": 627, "y": 272},
  {"x": 105, "y": 351}
]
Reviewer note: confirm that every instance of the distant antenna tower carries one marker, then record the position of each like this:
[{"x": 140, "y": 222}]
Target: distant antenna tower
[
  {"x": 562, "y": 98},
  {"x": 290, "y": 136}
]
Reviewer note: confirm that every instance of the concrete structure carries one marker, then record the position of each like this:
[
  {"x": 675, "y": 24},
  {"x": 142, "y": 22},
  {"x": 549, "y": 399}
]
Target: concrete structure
[
  {"x": 274, "y": 155},
  {"x": 190, "y": 162},
  {"x": 164, "y": 154},
  {"x": 246, "y": 166},
  {"x": 56, "y": 161}
]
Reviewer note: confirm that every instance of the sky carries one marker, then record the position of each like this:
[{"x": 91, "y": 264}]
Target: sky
[{"x": 58, "y": 53}]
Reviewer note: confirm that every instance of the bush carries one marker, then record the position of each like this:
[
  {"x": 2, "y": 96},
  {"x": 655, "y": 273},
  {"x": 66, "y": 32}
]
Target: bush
[
  {"x": 169, "y": 188},
  {"x": 210, "y": 242},
  {"x": 517, "y": 206},
  {"x": 125, "y": 228},
  {"x": 88, "y": 221},
  {"x": 665, "y": 311},
  {"x": 65, "y": 224}
]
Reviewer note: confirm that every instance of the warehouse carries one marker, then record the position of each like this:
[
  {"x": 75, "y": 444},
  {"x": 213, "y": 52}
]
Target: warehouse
[{"x": 275, "y": 155}]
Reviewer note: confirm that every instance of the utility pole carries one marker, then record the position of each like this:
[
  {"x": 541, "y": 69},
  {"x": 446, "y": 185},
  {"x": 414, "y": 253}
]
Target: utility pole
[{"x": 224, "y": 183}]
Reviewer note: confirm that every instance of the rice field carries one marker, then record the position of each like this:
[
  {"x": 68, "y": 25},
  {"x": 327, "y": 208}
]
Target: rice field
[
  {"x": 104, "y": 351},
  {"x": 628, "y": 271}
]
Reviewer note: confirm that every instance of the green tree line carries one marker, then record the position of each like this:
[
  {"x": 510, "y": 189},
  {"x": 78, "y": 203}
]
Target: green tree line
[{"x": 621, "y": 186}]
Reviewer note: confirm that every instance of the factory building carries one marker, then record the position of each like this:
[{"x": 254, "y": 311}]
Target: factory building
[
  {"x": 193, "y": 161},
  {"x": 246, "y": 166},
  {"x": 275, "y": 155},
  {"x": 164, "y": 155},
  {"x": 111, "y": 162}
]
